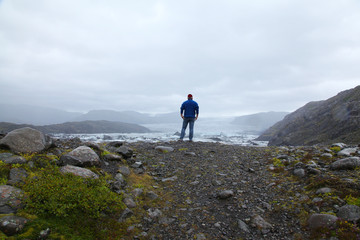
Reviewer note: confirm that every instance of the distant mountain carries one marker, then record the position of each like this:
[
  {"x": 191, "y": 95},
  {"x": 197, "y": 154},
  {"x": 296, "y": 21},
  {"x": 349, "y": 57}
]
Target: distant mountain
[
  {"x": 80, "y": 127},
  {"x": 259, "y": 122},
  {"x": 332, "y": 120},
  {"x": 26, "y": 114},
  {"x": 110, "y": 115}
]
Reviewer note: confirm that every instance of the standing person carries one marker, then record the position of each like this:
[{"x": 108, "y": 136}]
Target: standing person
[{"x": 189, "y": 112}]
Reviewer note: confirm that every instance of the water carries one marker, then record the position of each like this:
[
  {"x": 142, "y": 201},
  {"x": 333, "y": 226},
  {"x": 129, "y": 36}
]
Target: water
[{"x": 204, "y": 131}]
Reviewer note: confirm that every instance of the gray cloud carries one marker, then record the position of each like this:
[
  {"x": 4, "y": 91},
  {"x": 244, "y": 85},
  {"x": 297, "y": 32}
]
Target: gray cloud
[{"x": 236, "y": 57}]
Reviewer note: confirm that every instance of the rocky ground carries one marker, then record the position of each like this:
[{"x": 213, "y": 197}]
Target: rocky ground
[
  {"x": 232, "y": 192},
  {"x": 198, "y": 190},
  {"x": 217, "y": 192}
]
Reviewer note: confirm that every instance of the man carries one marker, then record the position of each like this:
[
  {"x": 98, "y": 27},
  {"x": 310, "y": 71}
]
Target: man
[{"x": 189, "y": 112}]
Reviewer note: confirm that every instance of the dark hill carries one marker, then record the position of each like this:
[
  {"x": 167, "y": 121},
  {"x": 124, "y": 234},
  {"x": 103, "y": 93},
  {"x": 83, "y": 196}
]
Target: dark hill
[
  {"x": 328, "y": 121},
  {"x": 80, "y": 127}
]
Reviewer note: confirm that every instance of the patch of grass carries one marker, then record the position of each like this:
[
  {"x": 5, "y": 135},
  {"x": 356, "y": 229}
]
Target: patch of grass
[{"x": 52, "y": 193}]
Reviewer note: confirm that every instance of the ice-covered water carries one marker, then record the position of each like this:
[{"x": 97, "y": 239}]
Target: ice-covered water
[{"x": 204, "y": 131}]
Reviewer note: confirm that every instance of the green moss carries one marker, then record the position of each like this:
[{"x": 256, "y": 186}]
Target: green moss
[{"x": 51, "y": 193}]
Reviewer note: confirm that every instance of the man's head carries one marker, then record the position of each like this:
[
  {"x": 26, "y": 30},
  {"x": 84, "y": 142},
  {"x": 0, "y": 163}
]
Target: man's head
[{"x": 190, "y": 96}]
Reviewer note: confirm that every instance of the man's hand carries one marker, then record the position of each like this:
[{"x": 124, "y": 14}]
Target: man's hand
[
  {"x": 182, "y": 116},
  {"x": 196, "y": 117}
]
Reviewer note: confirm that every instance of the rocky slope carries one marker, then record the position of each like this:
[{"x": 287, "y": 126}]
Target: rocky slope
[
  {"x": 332, "y": 120},
  {"x": 178, "y": 190}
]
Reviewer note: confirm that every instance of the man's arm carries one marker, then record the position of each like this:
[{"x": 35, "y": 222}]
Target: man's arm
[{"x": 196, "y": 112}]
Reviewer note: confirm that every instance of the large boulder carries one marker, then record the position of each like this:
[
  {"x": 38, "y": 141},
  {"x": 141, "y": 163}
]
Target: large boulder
[
  {"x": 321, "y": 220},
  {"x": 82, "y": 156},
  {"x": 26, "y": 140},
  {"x": 349, "y": 163},
  {"x": 349, "y": 213},
  {"x": 78, "y": 171},
  {"x": 10, "y": 199}
]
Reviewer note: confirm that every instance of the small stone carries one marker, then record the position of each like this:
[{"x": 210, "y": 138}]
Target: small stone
[
  {"x": 243, "y": 226},
  {"x": 225, "y": 194},
  {"x": 137, "y": 192},
  {"x": 200, "y": 236},
  {"x": 11, "y": 225},
  {"x": 78, "y": 171},
  {"x": 154, "y": 213},
  {"x": 151, "y": 195},
  {"x": 124, "y": 171},
  {"x": 126, "y": 214},
  {"x": 299, "y": 172},
  {"x": 323, "y": 190},
  {"x": 137, "y": 165},
  {"x": 170, "y": 179},
  {"x": 129, "y": 202},
  {"x": 164, "y": 149},
  {"x": 258, "y": 222}
]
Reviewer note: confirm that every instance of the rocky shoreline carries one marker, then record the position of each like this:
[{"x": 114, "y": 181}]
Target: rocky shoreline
[{"x": 193, "y": 190}]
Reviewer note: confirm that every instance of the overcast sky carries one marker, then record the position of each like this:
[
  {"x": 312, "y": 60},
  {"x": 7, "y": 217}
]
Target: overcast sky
[{"x": 235, "y": 56}]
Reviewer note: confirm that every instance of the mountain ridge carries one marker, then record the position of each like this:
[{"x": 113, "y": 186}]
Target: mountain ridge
[
  {"x": 86, "y": 127},
  {"x": 320, "y": 122}
]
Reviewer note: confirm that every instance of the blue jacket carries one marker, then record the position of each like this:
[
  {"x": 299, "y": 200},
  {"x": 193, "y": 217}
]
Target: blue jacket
[{"x": 190, "y": 107}]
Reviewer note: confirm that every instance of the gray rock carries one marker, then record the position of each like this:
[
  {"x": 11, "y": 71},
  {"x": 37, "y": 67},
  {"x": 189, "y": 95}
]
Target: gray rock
[
  {"x": 326, "y": 155},
  {"x": 243, "y": 226},
  {"x": 17, "y": 176},
  {"x": 137, "y": 164},
  {"x": 313, "y": 171},
  {"x": 125, "y": 214},
  {"x": 346, "y": 152},
  {"x": 119, "y": 182},
  {"x": 11, "y": 225},
  {"x": 124, "y": 151},
  {"x": 44, "y": 234},
  {"x": 151, "y": 195},
  {"x": 10, "y": 199},
  {"x": 340, "y": 145},
  {"x": 200, "y": 236},
  {"x": 170, "y": 179},
  {"x": 349, "y": 212},
  {"x": 82, "y": 156},
  {"x": 26, "y": 140},
  {"x": 112, "y": 157},
  {"x": 258, "y": 222},
  {"x": 154, "y": 213},
  {"x": 321, "y": 220},
  {"x": 225, "y": 194},
  {"x": 15, "y": 160},
  {"x": 4, "y": 156},
  {"x": 346, "y": 164},
  {"x": 323, "y": 190},
  {"x": 124, "y": 171},
  {"x": 164, "y": 149},
  {"x": 192, "y": 154},
  {"x": 78, "y": 171},
  {"x": 166, "y": 220},
  {"x": 137, "y": 192},
  {"x": 299, "y": 172},
  {"x": 129, "y": 202}
]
